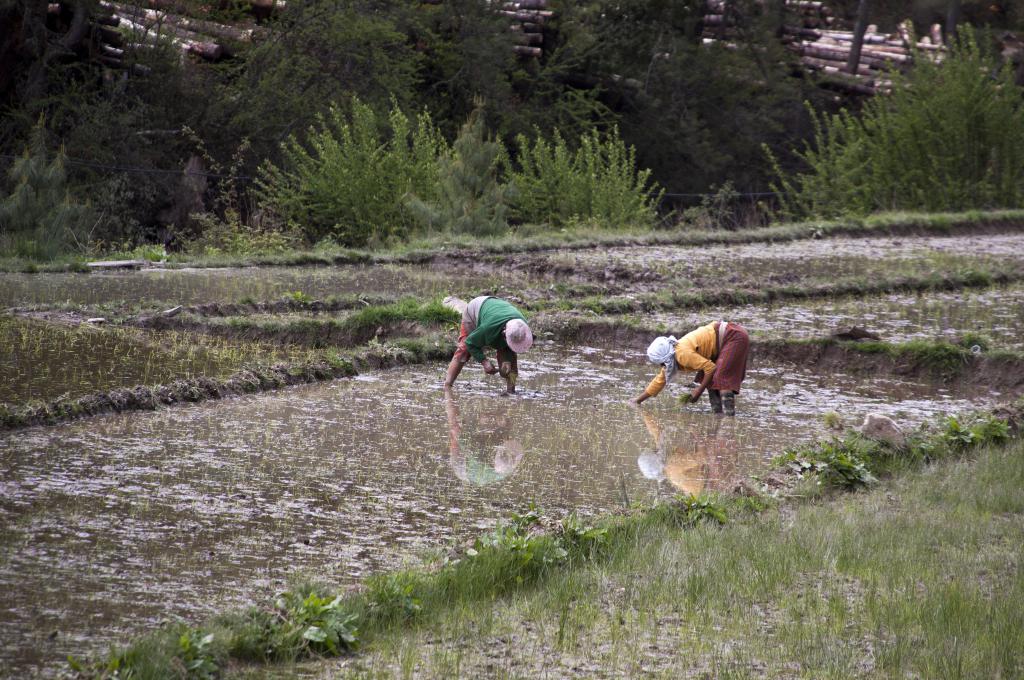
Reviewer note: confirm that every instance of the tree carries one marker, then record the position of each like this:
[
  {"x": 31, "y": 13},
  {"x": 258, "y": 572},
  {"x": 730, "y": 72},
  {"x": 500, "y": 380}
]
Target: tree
[
  {"x": 39, "y": 220},
  {"x": 471, "y": 200}
]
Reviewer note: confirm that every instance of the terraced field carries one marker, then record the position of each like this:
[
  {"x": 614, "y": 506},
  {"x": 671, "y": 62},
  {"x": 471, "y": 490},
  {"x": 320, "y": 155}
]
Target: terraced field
[{"x": 134, "y": 490}]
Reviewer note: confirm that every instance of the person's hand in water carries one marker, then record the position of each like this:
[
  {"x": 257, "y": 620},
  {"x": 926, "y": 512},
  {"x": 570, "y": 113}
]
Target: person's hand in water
[{"x": 488, "y": 367}]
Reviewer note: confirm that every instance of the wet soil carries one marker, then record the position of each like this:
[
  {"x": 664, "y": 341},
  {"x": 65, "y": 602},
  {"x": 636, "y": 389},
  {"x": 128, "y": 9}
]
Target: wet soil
[
  {"x": 995, "y": 313},
  {"x": 810, "y": 262},
  {"x": 117, "y": 523},
  {"x": 199, "y": 286}
]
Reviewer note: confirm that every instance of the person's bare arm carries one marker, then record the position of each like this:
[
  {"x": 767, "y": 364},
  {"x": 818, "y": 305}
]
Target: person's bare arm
[{"x": 699, "y": 389}]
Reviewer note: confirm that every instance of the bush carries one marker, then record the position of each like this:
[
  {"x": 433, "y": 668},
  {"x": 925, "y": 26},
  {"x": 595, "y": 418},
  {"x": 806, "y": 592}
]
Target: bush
[
  {"x": 348, "y": 179},
  {"x": 949, "y": 137},
  {"x": 596, "y": 182}
]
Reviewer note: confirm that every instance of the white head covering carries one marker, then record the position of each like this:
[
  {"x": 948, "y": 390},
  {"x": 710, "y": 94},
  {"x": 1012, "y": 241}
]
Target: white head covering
[
  {"x": 663, "y": 351},
  {"x": 518, "y": 335},
  {"x": 651, "y": 466}
]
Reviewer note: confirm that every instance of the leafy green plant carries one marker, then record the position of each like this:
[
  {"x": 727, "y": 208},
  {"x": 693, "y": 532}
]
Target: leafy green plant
[
  {"x": 688, "y": 510},
  {"x": 949, "y": 136},
  {"x": 347, "y": 179},
  {"x": 598, "y": 182},
  {"x": 582, "y": 539},
  {"x": 960, "y": 437},
  {"x": 194, "y": 648},
  {"x": 514, "y": 551},
  {"x": 299, "y": 297},
  {"x": 314, "y": 624},
  {"x": 392, "y": 597},
  {"x": 837, "y": 463}
]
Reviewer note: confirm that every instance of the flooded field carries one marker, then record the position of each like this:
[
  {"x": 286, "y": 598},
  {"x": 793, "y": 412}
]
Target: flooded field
[
  {"x": 905, "y": 248},
  {"x": 994, "y": 313},
  {"x": 114, "y": 524},
  {"x": 43, "y": 361},
  {"x": 193, "y": 286}
]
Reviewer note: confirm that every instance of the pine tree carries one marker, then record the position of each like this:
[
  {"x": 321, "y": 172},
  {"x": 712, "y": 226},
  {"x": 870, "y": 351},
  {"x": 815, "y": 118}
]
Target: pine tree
[
  {"x": 38, "y": 219},
  {"x": 472, "y": 200}
]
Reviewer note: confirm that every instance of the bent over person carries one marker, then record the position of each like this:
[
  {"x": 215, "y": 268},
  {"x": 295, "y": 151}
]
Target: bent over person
[
  {"x": 489, "y": 322},
  {"x": 718, "y": 352}
]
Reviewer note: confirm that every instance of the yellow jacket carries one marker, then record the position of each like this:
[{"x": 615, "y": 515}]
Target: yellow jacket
[{"x": 694, "y": 352}]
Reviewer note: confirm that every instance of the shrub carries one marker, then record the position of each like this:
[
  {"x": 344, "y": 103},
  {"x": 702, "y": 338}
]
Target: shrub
[
  {"x": 949, "y": 137},
  {"x": 598, "y": 182},
  {"x": 348, "y": 179}
]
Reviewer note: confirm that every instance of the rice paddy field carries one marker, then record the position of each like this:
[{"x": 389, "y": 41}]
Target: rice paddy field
[{"x": 116, "y": 519}]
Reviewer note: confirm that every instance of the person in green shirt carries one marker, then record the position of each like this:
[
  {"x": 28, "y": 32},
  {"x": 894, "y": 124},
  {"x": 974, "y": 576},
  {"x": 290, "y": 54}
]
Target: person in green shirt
[{"x": 489, "y": 322}]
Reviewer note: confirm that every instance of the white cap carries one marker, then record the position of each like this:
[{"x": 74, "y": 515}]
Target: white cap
[{"x": 518, "y": 335}]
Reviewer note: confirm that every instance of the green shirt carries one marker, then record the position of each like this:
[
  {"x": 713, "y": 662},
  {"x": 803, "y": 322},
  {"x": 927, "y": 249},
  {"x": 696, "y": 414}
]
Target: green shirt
[{"x": 494, "y": 314}]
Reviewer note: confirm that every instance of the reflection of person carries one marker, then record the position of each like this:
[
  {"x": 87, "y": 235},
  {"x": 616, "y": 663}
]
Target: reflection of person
[
  {"x": 508, "y": 452},
  {"x": 489, "y": 322},
  {"x": 707, "y": 457},
  {"x": 685, "y": 469},
  {"x": 698, "y": 350}
]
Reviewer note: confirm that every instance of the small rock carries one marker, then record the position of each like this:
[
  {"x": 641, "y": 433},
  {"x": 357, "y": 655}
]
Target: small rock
[
  {"x": 855, "y": 333},
  {"x": 745, "y": 487},
  {"x": 883, "y": 429},
  {"x": 96, "y": 320}
]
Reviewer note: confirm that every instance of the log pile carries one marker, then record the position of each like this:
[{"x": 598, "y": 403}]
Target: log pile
[
  {"x": 823, "y": 45},
  {"x": 154, "y": 24},
  {"x": 528, "y": 19}
]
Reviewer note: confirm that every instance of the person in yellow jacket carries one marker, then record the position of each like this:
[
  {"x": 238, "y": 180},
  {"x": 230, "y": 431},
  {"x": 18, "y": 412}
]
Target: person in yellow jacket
[{"x": 717, "y": 351}]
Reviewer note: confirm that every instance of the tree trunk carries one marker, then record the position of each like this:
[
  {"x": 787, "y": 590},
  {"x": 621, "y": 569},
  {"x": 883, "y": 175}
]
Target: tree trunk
[
  {"x": 952, "y": 19},
  {"x": 858, "y": 36}
]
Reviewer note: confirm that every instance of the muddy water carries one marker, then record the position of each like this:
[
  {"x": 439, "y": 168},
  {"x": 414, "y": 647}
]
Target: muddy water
[
  {"x": 996, "y": 313},
  {"x": 193, "y": 286},
  {"x": 113, "y": 524},
  {"x": 903, "y": 248}
]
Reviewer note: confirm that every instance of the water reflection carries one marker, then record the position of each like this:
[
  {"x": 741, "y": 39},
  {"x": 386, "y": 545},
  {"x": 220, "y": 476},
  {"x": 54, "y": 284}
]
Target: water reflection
[
  {"x": 487, "y": 437},
  {"x": 112, "y": 524},
  {"x": 692, "y": 456}
]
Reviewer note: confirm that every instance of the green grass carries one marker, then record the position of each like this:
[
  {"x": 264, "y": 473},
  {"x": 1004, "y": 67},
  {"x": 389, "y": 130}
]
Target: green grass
[{"x": 917, "y": 578}]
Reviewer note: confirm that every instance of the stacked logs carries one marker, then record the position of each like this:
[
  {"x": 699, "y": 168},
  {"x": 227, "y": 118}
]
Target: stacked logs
[
  {"x": 813, "y": 33},
  {"x": 722, "y": 16},
  {"x": 828, "y": 52},
  {"x": 147, "y": 27},
  {"x": 528, "y": 19}
]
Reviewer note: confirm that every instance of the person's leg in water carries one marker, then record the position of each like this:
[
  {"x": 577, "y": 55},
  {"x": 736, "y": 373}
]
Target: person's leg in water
[
  {"x": 508, "y": 368},
  {"x": 459, "y": 359},
  {"x": 729, "y": 402},
  {"x": 715, "y": 397}
]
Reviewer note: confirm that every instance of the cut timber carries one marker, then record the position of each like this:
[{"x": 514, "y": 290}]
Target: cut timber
[
  {"x": 533, "y": 16},
  {"x": 116, "y": 264},
  {"x": 195, "y": 26},
  {"x": 530, "y": 38},
  {"x": 527, "y": 51},
  {"x": 834, "y": 65}
]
